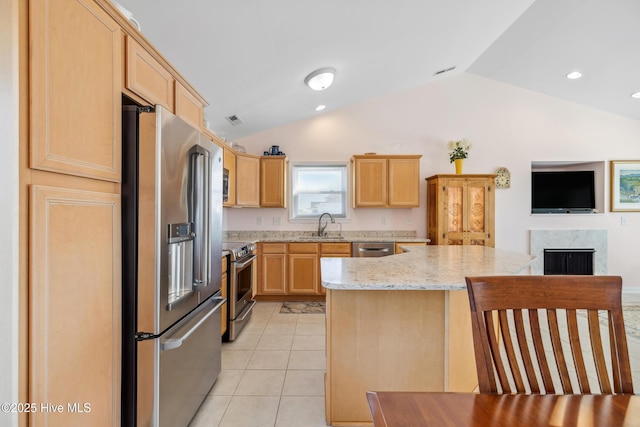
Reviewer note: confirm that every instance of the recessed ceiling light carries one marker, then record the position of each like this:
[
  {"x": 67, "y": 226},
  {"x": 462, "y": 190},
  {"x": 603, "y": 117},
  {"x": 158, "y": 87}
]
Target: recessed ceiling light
[
  {"x": 574, "y": 75},
  {"x": 635, "y": 95},
  {"x": 320, "y": 79},
  {"x": 320, "y": 107}
]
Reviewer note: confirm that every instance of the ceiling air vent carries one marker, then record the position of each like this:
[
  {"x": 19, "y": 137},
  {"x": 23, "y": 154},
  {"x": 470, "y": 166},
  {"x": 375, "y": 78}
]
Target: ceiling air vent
[
  {"x": 234, "y": 120},
  {"x": 444, "y": 70}
]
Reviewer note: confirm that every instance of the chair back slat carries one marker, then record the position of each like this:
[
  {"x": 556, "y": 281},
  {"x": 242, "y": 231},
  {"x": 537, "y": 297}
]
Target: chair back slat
[
  {"x": 598, "y": 352},
  {"x": 576, "y": 352},
  {"x": 558, "y": 352},
  {"x": 524, "y": 351},
  {"x": 510, "y": 354},
  {"x": 541, "y": 356},
  {"x": 493, "y": 354},
  {"x": 530, "y": 336}
]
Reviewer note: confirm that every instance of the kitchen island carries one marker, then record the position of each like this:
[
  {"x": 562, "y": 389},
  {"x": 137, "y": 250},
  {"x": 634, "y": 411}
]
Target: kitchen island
[{"x": 402, "y": 323}]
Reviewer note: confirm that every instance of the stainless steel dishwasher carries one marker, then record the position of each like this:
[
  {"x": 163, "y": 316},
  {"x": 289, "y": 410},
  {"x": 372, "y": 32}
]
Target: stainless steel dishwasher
[{"x": 372, "y": 249}]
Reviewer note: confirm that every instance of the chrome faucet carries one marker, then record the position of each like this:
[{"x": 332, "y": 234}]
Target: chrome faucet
[{"x": 320, "y": 227}]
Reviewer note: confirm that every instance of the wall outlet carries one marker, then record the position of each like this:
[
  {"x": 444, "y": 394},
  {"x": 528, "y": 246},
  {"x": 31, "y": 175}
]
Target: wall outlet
[
  {"x": 259, "y": 220},
  {"x": 383, "y": 220},
  {"x": 409, "y": 220},
  {"x": 623, "y": 220},
  {"x": 276, "y": 220}
]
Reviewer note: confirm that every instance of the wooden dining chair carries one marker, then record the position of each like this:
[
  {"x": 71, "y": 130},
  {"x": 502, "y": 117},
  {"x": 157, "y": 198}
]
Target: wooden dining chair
[{"x": 532, "y": 334}]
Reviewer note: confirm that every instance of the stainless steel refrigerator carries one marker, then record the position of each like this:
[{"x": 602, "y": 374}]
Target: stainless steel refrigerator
[{"x": 172, "y": 233}]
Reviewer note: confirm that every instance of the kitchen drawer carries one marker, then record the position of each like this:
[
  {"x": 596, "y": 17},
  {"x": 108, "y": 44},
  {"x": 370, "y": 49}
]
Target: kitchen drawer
[
  {"x": 303, "y": 248},
  {"x": 335, "y": 248},
  {"x": 274, "y": 248}
]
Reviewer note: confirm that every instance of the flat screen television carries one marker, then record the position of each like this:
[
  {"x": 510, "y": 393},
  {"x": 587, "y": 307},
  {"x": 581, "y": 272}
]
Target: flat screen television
[{"x": 563, "y": 192}]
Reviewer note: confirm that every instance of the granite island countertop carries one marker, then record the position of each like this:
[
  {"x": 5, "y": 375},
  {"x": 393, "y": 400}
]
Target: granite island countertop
[{"x": 432, "y": 267}]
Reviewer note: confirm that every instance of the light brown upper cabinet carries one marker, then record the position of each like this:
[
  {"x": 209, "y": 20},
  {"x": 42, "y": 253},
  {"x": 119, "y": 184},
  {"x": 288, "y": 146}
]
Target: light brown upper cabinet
[
  {"x": 229, "y": 163},
  {"x": 386, "y": 181},
  {"x": 273, "y": 182},
  {"x": 247, "y": 180},
  {"x": 75, "y": 87},
  {"x": 147, "y": 77},
  {"x": 460, "y": 209},
  {"x": 188, "y": 107}
]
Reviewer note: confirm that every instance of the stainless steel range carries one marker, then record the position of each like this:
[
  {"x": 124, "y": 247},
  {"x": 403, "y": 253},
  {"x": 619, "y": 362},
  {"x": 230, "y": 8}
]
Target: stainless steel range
[{"x": 242, "y": 274}]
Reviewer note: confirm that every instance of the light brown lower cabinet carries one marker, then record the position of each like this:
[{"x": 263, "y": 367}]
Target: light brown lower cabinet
[
  {"x": 303, "y": 269},
  {"x": 225, "y": 306},
  {"x": 333, "y": 250},
  {"x": 290, "y": 271},
  {"x": 272, "y": 269},
  {"x": 74, "y": 306},
  {"x": 398, "y": 248}
]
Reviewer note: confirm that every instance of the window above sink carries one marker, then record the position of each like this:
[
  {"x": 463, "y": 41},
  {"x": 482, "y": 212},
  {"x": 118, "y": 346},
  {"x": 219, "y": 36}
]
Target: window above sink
[{"x": 318, "y": 188}]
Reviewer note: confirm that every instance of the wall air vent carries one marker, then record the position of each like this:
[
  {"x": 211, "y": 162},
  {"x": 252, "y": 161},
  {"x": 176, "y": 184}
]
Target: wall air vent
[
  {"x": 444, "y": 70},
  {"x": 234, "y": 120}
]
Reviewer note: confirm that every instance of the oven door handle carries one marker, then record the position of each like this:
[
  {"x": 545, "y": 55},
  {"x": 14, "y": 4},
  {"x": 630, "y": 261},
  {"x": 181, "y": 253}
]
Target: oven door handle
[
  {"x": 174, "y": 343},
  {"x": 244, "y": 264}
]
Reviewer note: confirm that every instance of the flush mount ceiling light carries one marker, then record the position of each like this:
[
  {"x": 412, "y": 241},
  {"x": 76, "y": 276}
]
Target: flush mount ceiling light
[
  {"x": 635, "y": 95},
  {"x": 320, "y": 79},
  {"x": 574, "y": 75},
  {"x": 320, "y": 107}
]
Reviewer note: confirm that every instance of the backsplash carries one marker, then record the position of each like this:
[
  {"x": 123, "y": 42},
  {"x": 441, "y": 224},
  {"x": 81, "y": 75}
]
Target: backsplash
[{"x": 250, "y": 235}]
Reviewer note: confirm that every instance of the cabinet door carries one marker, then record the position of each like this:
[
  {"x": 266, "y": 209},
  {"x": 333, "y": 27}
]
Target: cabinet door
[
  {"x": 303, "y": 274},
  {"x": 230, "y": 165},
  {"x": 272, "y": 264},
  {"x": 147, "y": 77},
  {"x": 479, "y": 209},
  {"x": 370, "y": 182},
  {"x": 273, "y": 182},
  {"x": 247, "y": 180},
  {"x": 75, "y": 305},
  {"x": 404, "y": 183},
  {"x": 273, "y": 272},
  {"x": 454, "y": 210},
  {"x": 75, "y": 88},
  {"x": 188, "y": 108}
]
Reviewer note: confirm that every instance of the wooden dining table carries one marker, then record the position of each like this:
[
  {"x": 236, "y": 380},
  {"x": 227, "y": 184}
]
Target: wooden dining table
[{"x": 425, "y": 409}]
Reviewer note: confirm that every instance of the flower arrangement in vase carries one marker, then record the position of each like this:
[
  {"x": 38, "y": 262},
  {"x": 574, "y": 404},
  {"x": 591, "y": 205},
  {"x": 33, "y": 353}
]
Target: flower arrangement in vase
[{"x": 459, "y": 150}]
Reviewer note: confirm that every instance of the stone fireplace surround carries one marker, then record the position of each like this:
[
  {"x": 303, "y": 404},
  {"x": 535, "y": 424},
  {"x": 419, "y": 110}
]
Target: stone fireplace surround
[{"x": 539, "y": 240}]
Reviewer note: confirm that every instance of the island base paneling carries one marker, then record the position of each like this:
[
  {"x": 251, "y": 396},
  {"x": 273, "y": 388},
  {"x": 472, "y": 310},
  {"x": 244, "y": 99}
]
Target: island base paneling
[{"x": 394, "y": 340}]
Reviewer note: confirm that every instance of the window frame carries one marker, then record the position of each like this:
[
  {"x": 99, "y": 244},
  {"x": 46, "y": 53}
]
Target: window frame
[{"x": 292, "y": 196}]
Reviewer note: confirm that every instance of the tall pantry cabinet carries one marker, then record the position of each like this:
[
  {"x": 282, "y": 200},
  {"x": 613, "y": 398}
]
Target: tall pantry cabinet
[
  {"x": 70, "y": 177},
  {"x": 461, "y": 209}
]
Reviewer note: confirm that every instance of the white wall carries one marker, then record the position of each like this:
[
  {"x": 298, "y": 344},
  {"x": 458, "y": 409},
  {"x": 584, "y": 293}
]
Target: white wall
[
  {"x": 9, "y": 212},
  {"x": 508, "y": 126}
]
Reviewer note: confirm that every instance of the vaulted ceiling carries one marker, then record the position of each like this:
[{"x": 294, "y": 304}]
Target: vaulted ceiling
[{"x": 249, "y": 58}]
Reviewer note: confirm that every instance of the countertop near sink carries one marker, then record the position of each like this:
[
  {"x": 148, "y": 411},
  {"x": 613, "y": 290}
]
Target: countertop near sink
[{"x": 307, "y": 236}]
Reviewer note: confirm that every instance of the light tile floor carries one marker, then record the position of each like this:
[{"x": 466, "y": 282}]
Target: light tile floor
[{"x": 273, "y": 374}]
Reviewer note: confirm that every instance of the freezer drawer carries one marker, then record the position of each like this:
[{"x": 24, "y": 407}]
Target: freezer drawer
[{"x": 189, "y": 364}]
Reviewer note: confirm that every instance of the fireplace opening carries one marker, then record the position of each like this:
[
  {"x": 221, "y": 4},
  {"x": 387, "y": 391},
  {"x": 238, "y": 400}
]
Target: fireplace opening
[{"x": 568, "y": 261}]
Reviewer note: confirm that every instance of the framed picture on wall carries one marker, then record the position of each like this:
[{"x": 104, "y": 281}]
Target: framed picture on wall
[{"x": 625, "y": 185}]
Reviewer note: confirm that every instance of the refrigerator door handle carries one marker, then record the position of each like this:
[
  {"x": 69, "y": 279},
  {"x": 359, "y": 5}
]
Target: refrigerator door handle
[
  {"x": 199, "y": 206},
  {"x": 173, "y": 343}
]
